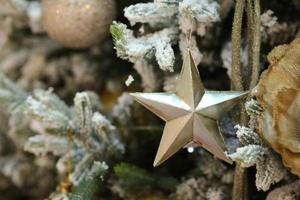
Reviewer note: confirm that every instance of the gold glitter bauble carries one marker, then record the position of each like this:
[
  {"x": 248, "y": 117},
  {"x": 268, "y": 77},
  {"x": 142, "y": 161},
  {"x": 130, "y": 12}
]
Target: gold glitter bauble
[
  {"x": 278, "y": 93},
  {"x": 78, "y": 23}
]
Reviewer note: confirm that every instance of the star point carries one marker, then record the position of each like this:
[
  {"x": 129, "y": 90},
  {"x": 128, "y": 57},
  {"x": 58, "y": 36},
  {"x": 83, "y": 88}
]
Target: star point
[
  {"x": 176, "y": 134},
  {"x": 167, "y": 106},
  {"x": 190, "y": 114},
  {"x": 189, "y": 86}
]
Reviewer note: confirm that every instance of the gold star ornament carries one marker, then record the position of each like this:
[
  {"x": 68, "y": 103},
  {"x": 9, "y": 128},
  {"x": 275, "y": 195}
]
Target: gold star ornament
[{"x": 190, "y": 113}]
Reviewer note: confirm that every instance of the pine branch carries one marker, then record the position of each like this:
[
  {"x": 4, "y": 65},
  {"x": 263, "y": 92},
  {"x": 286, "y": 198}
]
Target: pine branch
[
  {"x": 133, "y": 176},
  {"x": 11, "y": 95}
]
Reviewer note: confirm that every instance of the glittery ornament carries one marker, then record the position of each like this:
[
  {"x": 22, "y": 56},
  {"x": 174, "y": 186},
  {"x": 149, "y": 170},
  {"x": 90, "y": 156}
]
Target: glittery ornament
[
  {"x": 190, "y": 113},
  {"x": 78, "y": 23},
  {"x": 278, "y": 93}
]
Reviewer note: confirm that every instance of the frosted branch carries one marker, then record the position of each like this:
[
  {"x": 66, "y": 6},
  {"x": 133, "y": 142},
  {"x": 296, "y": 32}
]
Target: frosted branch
[
  {"x": 150, "y": 13},
  {"x": 84, "y": 113},
  {"x": 11, "y": 94},
  {"x": 248, "y": 155},
  {"x": 156, "y": 45},
  {"x": 44, "y": 144},
  {"x": 54, "y": 121}
]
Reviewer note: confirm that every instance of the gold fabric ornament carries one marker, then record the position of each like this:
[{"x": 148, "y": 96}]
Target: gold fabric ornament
[
  {"x": 278, "y": 93},
  {"x": 190, "y": 113}
]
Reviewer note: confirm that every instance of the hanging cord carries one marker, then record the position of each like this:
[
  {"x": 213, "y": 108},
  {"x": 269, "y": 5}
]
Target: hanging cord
[
  {"x": 240, "y": 187},
  {"x": 255, "y": 43},
  {"x": 189, "y": 35},
  {"x": 236, "y": 76},
  {"x": 241, "y": 81}
]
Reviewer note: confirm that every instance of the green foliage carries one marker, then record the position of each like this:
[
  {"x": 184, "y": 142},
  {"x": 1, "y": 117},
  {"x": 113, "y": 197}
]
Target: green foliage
[
  {"x": 167, "y": 183},
  {"x": 90, "y": 183},
  {"x": 133, "y": 176},
  {"x": 118, "y": 32},
  {"x": 85, "y": 190}
]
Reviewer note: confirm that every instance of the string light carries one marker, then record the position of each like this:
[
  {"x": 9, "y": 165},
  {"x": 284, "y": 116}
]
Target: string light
[{"x": 190, "y": 149}]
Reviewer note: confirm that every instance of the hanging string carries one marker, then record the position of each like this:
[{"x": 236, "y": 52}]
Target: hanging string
[
  {"x": 236, "y": 76},
  {"x": 255, "y": 44},
  {"x": 241, "y": 81},
  {"x": 190, "y": 34}
]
